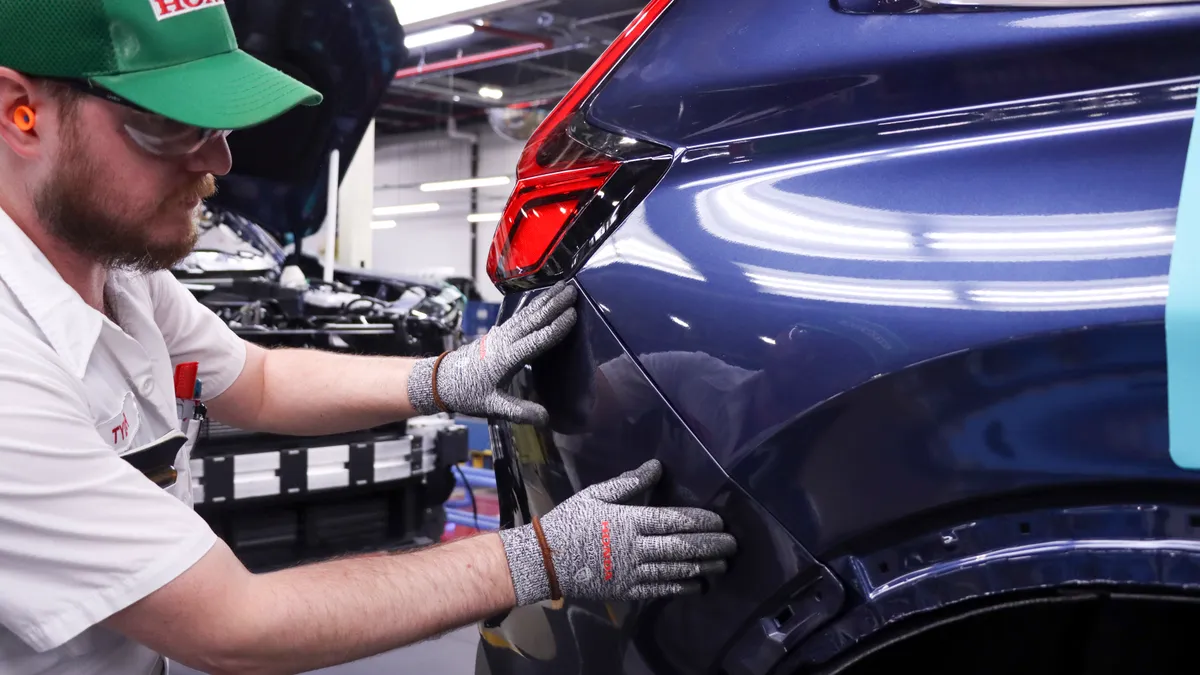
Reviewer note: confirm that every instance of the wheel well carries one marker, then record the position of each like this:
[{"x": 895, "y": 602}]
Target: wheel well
[{"x": 1089, "y": 631}]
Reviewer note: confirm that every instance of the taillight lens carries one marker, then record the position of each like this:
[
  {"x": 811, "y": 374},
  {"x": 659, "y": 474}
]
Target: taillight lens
[{"x": 560, "y": 172}]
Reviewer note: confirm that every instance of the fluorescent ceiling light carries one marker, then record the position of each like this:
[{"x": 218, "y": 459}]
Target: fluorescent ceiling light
[
  {"x": 492, "y": 93},
  {"x": 383, "y": 225},
  {"x": 484, "y": 217},
  {"x": 443, "y": 34},
  {"x": 414, "y": 14},
  {"x": 465, "y": 184},
  {"x": 406, "y": 209}
]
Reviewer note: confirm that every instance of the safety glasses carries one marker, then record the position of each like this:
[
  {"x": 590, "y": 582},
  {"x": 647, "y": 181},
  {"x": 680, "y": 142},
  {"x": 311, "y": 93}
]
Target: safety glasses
[{"x": 151, "y": 132}]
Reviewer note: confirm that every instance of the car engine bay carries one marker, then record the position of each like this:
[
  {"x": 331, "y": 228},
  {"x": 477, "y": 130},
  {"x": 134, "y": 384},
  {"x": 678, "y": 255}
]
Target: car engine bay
[
  {"x": 279, "y": 500},
  {"x": 239, "y": 272}
]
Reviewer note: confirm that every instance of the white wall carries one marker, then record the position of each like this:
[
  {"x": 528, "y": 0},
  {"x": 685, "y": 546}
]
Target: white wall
[
  {"x": 439, "y": 242},
  {"x": 354, "y": 242}
]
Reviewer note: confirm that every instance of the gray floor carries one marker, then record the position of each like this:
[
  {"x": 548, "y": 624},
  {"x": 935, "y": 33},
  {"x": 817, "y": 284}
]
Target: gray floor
[{"x": 451, "y": 654}]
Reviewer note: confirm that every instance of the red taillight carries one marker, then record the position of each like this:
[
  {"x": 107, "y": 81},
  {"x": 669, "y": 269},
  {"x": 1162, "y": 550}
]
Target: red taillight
[{"x": 557, "y": 174}]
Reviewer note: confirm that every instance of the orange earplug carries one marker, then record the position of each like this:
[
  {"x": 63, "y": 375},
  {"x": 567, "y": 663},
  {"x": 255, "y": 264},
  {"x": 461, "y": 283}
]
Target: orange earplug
[{"x": 24, "y": 118}]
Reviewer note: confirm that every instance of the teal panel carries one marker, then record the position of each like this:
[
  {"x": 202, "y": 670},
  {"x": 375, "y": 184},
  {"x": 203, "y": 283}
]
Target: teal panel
[{"x": 1183, "y": 317}]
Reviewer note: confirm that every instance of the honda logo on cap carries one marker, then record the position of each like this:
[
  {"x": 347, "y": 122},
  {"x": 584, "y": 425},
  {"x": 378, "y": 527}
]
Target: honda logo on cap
[{"x": 168, "y": 9}]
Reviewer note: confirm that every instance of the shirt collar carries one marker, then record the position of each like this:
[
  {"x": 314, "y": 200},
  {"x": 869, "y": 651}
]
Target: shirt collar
[{"x": 69, "y": 324}]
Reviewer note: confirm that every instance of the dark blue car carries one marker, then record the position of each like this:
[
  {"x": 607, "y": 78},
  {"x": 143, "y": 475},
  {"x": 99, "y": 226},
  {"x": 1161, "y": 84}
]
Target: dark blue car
[{"x": 883, "y": 283}]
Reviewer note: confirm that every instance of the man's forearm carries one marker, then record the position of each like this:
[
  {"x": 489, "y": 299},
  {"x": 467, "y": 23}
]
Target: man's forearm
[
  {"x": 308, "y": 392},
  {"x": 219, "y": 618},
  {"x": 325, "y": 614}
]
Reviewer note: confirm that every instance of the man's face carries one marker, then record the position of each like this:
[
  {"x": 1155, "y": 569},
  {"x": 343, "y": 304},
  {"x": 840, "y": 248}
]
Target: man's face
[{"x": 113, "y": 202}]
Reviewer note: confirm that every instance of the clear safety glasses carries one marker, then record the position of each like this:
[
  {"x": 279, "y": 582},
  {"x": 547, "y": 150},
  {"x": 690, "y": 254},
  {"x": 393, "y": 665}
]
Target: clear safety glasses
[{"x": 151, "y": 132}]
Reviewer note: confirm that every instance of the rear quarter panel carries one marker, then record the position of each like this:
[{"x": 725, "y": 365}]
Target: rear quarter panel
[
  {"x": 597, "y": 432},
  {"x": 995, "y": 259},
  {"x": 905, "y": 270}
]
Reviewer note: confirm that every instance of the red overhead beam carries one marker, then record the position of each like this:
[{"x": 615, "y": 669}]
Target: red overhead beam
[{"x": 474, "y": 59}]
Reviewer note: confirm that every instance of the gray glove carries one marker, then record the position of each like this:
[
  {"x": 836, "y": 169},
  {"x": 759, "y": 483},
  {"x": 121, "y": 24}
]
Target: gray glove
[
  {"x": 469, "y": 378},
  {"x": 604, "y": 550}
]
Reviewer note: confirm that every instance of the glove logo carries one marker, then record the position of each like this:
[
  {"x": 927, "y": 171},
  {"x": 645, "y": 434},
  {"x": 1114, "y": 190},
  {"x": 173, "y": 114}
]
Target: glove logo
[{"x": 606, "y": 550}]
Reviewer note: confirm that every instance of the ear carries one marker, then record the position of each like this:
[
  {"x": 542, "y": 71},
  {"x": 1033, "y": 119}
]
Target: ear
[{"x": 17, "y": 90}]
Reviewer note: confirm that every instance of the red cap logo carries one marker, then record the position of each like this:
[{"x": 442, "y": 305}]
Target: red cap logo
[{"x": 169, "y": 9}]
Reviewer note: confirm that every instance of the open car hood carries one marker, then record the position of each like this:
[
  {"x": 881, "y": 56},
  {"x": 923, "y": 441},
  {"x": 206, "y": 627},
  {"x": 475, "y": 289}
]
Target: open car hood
[{"x": 348, "y": 50}]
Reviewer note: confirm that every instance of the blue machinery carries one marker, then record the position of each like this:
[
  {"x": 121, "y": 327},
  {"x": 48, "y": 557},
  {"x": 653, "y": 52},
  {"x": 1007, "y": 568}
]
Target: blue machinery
[
  {"x": 458, "y": 511},
  {"x": 472, "y": 478}
]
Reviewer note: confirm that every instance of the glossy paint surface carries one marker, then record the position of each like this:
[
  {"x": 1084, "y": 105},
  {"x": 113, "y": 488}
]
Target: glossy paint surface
[
  {"x": 716, "y": 71},
  {"x": 763, "y": 279},
  {"x": 597, "y": 431},
  {"x": 1049, "y": 416},
  {"x": 907, "y": 274}
]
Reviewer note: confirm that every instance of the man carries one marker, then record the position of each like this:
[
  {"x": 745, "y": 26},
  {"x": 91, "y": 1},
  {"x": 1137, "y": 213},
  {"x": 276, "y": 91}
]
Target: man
[{"x": 109, "y": 119}]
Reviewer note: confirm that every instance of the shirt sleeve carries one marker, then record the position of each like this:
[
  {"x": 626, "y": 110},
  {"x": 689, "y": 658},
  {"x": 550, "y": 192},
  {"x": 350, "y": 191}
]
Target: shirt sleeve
[
  {"x": 83, "y": 534},
  {"x": 194, "y": 332}
]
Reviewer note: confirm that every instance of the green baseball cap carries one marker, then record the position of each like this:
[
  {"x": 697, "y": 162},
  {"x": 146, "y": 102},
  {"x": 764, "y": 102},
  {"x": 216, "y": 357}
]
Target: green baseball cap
[{"x": 177, "y": 58}]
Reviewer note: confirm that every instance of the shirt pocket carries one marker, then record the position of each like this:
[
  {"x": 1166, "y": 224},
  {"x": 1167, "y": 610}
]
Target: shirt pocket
[{"x": 119, "y": 428}]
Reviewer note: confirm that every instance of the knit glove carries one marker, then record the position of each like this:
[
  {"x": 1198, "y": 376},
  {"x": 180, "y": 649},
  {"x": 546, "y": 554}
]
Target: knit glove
[
  {"x": 601, "y": 549},
  {"x": 469, "y": 379}
]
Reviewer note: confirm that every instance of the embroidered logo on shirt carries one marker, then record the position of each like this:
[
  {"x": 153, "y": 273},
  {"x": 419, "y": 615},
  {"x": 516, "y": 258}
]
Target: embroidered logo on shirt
[
  {"x": 169, "y": 9},
  {"x": 121, "y": 431}
]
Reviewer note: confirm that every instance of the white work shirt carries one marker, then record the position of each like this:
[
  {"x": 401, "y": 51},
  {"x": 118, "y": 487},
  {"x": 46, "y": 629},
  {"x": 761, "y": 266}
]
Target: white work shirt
[{"x": 83, "y": 534}]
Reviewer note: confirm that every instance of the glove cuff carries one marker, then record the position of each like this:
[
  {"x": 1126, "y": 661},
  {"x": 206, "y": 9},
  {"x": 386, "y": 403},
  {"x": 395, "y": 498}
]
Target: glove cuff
[
  {"x": 420, "y": 387},
  {"x": 525, "y": 565}
]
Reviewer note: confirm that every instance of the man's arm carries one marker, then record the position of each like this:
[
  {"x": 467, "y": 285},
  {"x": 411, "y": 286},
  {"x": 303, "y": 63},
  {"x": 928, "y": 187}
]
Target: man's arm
[
  {"x": 305, "y": 392},
  {"x": 219, "y": 618},
  {"x": 308, "y": 392}
]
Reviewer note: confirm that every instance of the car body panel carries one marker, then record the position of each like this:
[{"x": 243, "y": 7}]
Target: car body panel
[
  {"x": 983, "y": 427},
  {"x": 585, "y": 445},
  {"x": 904, "y": 282},
  {"x": 755, "y": 285},
  {"x": 713, "y": 72}
]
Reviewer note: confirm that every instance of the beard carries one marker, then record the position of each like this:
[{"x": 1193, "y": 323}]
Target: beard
[{"x": 78, "y": 205}]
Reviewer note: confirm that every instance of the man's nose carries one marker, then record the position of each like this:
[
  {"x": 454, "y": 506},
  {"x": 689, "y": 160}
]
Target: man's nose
[{"x": 213, "y": 157}]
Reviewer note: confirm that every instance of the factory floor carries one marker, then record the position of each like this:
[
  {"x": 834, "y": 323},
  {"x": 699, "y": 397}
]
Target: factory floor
[{"x": 451, "y": 654}]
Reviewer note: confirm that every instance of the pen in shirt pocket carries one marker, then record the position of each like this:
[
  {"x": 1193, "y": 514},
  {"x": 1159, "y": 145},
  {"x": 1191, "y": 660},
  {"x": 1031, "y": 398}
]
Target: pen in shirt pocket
[{"x": 188, "y": 389}]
